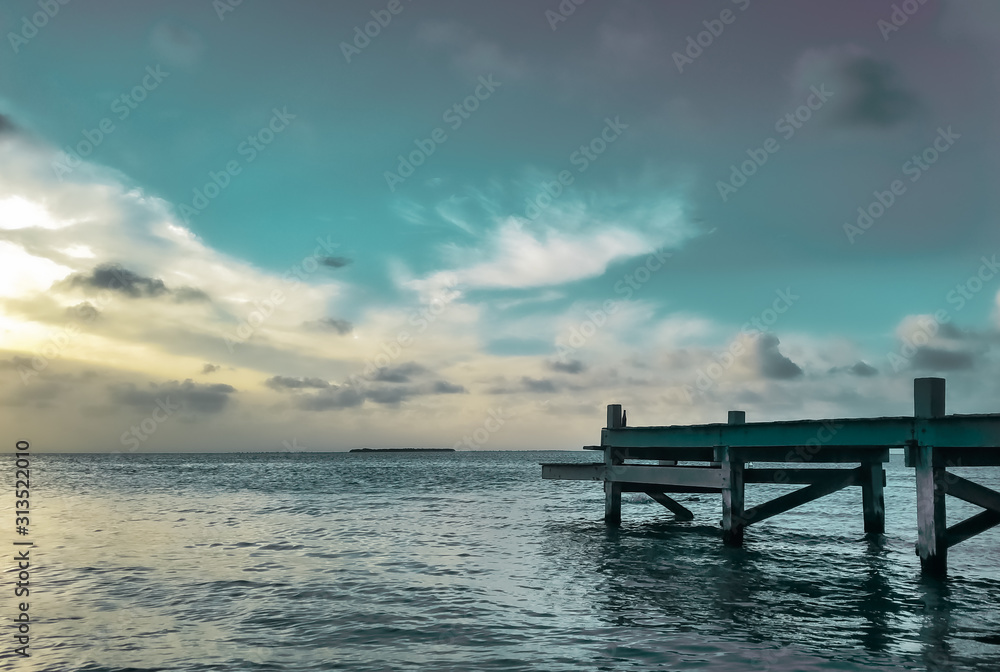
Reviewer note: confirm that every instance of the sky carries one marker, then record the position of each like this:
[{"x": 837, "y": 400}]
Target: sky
[{"x": 253, "y": 225}]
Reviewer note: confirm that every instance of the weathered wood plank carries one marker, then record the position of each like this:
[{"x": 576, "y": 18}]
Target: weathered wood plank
[
  {"x": 886, "y": 432},
  {"x": 947, "y": 456},
  {"x": 789, "y": 476},
  {"x": 838, "y": 480},
  {"x": 702, "y": 477},
  {"x": 573, "y": 472},
  {"x": 958, "y": 431},
  {"x": 641, "y": 473},
  {"x": 932, "y": 527},
  {"x": 970, "y": 527},
  {"x": 871, "y": 478},
  {"x": 612, "y": 490},
  {"x": 966, "y": 490},
  {"x": 731, "y": 468},
  {"x": 673, "y": 505},
  {"x": 655, "y": 487}
]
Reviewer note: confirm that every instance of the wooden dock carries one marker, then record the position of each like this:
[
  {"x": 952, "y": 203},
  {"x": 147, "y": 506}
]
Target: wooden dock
[{"x": 717, "y": 455}]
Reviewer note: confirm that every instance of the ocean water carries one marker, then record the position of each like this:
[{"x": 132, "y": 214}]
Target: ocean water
[{"x": 470, "y": 561}]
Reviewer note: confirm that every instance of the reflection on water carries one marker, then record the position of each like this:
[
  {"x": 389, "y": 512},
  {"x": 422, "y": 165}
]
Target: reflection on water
[{"x": 471, "y": 562}]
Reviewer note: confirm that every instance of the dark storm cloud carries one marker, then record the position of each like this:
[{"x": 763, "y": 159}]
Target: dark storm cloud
[
  {"x": 874, "y": 96},
  {"x": 772, "y": 363},
  {"x": 939, "y": 359},
  {"x": 190, "y": 395},
  {"x": 572, "y": 366},
  {"x": 288, "y": 383},
  {"x": 6, "y": 125},
  {"x": 342, "y": 327},
  {"x": 117, "y": 278},
  {"x": 210, "y": 368},
  {"x": 399, "y": 374},
  {"x": 334, "y": 262}
]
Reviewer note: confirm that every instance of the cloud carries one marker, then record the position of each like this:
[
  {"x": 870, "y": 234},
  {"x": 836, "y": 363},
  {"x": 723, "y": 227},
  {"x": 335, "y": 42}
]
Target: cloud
[
  {"x": 6, "y": 125},
  {"x": 15, "y": 363},
  {"x": 518, "y": 257},
  {"x": 538, "y": 385},
  {"x": 863, "y": 369},
  {"x": 190, "y": 294},
  {"x": 444, "y": 387},
  {"x": 119, "y": 279},
  {"x": 398, "y": 374},
  {"x": 772, "y": 363},
  {"x": 210, "y": 368},
  {"x": 866, "y": 90},
  {"x": 85, "y": 312},
  {"x": 192, "y": 396},
  {"x": 877, "y": 99},
  {"x": 572, "y": 366},
  {"x": 470, "y": 54},
  {"x": 389, "y": 396},
  {"x": 330, "y": 399},
  {"x": 288, "y": 383},
  {"x": 342, "y": 327},
  {"x": 176, "y": 43},
  {"x": 334, "y": 262},
  {"x": 940, "y": 359}
]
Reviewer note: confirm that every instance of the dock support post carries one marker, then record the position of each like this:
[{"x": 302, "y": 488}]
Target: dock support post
[
  {"x": 612, "y": 457},
  {"x": 932, "y": 543},
  {"x": 732, "y": 495},
  {"x": 732, "y": 492},
  {"x": 873, "y": 497}
]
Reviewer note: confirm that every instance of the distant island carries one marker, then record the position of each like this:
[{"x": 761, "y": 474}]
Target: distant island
[{"x": 401, "y": 450}]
